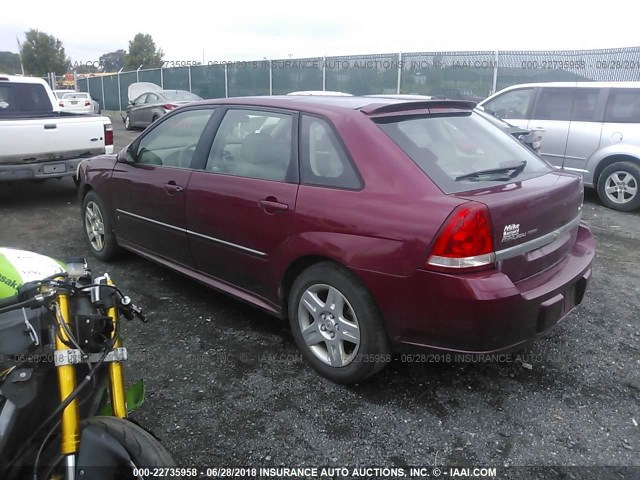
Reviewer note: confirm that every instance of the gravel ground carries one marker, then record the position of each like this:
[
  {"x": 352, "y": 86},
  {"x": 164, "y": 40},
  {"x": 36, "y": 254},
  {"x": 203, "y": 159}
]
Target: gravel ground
[{"x": 226, "y": 386}]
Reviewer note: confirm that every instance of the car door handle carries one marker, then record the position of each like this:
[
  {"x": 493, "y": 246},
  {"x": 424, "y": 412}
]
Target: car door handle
[
  {"x": 171, "y": 188},
  {"x": 271, "y": 204},
  {"x": 50, "y": 126}
]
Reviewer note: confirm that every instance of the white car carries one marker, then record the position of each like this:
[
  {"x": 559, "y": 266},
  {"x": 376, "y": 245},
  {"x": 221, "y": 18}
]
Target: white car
[{"x": 76, "y": 102}]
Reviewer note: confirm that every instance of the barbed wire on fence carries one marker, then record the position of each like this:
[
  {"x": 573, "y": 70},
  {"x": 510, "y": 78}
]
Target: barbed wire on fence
[{"x": 469, "y": 75}]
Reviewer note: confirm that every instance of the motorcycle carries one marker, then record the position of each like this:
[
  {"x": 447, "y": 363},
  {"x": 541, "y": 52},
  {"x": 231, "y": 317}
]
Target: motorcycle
[{"x": 63, "y": 405}]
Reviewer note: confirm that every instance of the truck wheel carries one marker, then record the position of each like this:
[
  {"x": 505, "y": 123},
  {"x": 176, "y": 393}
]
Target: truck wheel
[
  {"x": 337, "y": 325},
  {"x": 618, "y": 186},
  {"x": 97, "y": 227}
]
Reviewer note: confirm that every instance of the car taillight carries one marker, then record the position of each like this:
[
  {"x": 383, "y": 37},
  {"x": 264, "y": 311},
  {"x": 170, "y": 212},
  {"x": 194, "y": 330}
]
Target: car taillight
[
  {"x": 108, "y": 134},
  {"x": 465, "y": 242},
  {"x": 87, "y": 103},
  {"x": 168, "y": 106}
]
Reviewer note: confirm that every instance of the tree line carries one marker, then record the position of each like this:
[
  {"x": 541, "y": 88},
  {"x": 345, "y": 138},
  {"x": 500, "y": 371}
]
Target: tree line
[{"x": 41, "y": 53}]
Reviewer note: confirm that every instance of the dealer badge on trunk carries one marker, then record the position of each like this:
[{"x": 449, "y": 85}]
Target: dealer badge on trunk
[{"x": 512, "y": 232}]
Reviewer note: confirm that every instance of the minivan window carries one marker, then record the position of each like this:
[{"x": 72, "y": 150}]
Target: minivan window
[
  {"x": 554, "y": 104},
  {"x": 584, "y": 104},
  {"x": 623, "y": 106},
  {"x": 452, "y": 146},
  {"x": 513, "y": 104}
]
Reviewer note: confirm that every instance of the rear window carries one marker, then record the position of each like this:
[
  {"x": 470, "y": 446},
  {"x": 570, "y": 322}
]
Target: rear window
[
  {"x": 71, "y": 96},
  {"x": 23, "y": 98},
  {"x": 447, "y": 147}
]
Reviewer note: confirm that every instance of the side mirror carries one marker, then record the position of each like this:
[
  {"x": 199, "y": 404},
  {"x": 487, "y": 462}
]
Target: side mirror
[
  {"x": 126, "y": 155},
  {"x": 130, "y": 102}
]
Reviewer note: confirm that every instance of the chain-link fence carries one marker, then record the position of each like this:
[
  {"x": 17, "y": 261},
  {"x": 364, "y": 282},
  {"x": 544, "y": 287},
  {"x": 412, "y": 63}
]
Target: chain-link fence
[{"x": 458, "y": 75}]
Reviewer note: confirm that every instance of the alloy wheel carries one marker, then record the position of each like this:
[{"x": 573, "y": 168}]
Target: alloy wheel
[
  {"x": 94, "y": 226},
  {"x": 329, "y": 325},
  {"x": 621, "y": 187}
]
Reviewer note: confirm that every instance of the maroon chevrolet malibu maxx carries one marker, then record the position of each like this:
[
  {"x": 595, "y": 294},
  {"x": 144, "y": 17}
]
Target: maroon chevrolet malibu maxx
[{"x": 370, "y": 223}]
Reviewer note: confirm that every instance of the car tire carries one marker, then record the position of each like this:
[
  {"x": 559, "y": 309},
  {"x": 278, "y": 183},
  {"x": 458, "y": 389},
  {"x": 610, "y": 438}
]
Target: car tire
[
  {"x": 98, "y": 229},
  {"x": 127, "y": 123},
  {"x": 344, "y": 337},
  {"x": 154, "y": 118},
  {"x": 618, "y": 186}
]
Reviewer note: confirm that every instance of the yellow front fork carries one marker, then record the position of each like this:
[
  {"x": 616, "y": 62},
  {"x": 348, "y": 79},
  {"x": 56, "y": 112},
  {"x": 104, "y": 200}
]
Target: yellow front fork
[
  {"x": 70, "y": 427},
  {"x": 116, "y": 377}
]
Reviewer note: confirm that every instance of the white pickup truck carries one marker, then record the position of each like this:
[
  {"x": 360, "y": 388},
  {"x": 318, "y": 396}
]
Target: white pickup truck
[{"x": 37, "y": 140}]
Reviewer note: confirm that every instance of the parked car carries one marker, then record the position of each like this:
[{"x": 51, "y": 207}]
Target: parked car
[
  {"x": 592, "y": 128},
  {"x": 76, "y": 102},
  {"x": 531, "y": 138},
  {"x": 372, "y": 224},
  {"x": 37, "y": 140},
  {"x": 147, "y": 107}
]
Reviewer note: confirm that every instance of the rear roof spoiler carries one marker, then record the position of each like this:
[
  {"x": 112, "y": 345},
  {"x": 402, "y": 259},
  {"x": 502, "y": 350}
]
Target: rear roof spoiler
[{"x": 377, "y": 108}]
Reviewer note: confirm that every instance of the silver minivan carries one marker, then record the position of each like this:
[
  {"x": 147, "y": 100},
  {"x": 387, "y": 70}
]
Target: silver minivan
[{"x": 592, "y": 128}]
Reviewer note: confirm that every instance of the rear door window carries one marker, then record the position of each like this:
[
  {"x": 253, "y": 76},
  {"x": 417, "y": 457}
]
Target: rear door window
[
  {"x": 254, "y": 144},
  {"x": 448, "y": 147},
  {"x": 623, "y": 106},
  {"x": 554, "y": 104}
]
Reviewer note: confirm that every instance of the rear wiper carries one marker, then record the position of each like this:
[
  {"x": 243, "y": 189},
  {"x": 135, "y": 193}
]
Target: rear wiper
[{"x": 514, "y": 169}]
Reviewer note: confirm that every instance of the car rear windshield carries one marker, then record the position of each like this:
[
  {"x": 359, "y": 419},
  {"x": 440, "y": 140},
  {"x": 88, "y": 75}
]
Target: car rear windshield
[
  {"x": 70, "y": 96},
  {"x": 181, "y": 97},
  {"x": 23, "y": 98},
  {"x": 451, "y": 148}
]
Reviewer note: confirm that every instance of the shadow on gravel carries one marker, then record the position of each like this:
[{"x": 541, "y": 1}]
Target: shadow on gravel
[{"x": 50, "y": 193}]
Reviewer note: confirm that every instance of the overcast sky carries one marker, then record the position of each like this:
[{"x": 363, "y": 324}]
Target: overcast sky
[{"x": 250, "y": 29}]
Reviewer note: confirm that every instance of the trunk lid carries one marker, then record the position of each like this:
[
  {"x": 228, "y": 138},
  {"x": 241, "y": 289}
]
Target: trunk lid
[{"x": 535, "y": 221}]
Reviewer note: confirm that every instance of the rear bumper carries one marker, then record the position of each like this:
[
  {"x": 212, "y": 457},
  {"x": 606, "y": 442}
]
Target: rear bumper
[
  {"x": 35, "y": 171},
  {"x": 483, "y": 312},
  {"x": 43, "y": 170}
]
